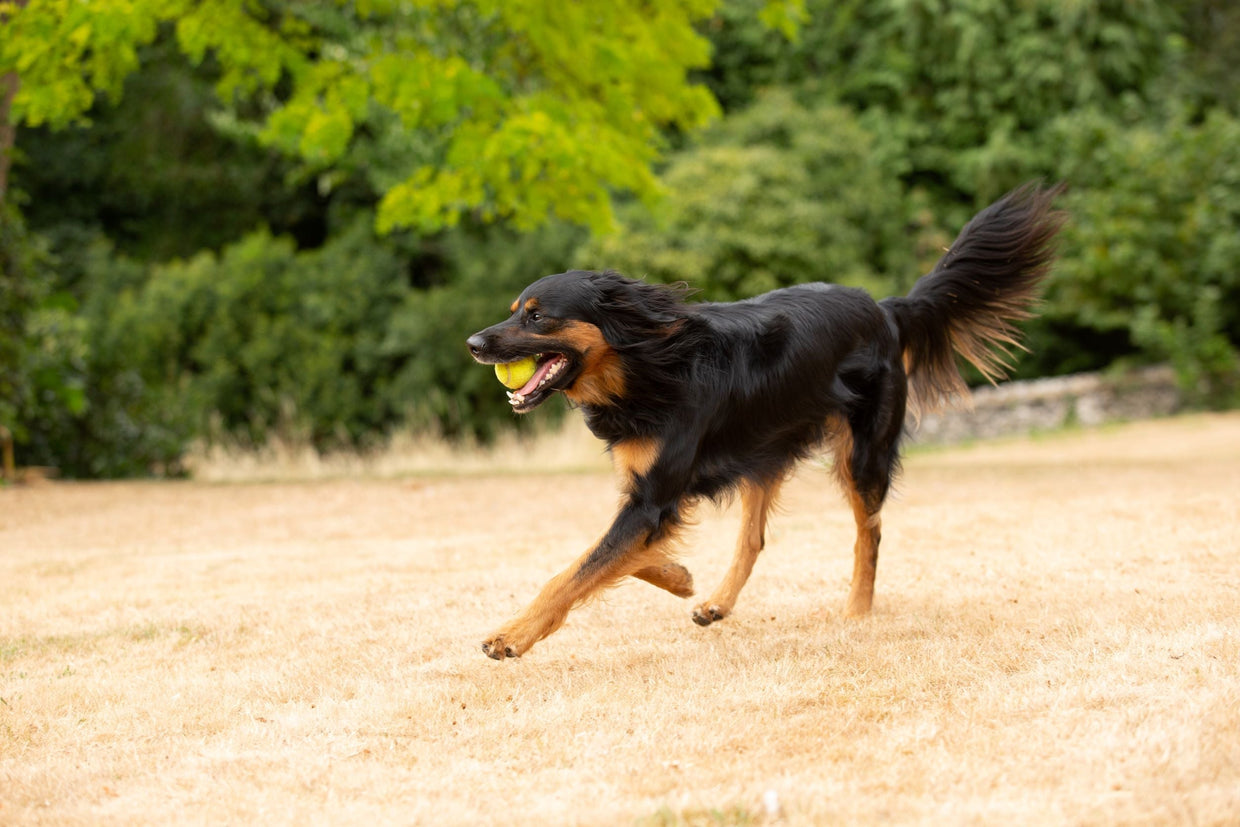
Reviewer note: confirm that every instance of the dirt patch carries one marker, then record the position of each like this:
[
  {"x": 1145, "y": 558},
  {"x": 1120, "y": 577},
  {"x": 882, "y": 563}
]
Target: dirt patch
[{"x": 1054, "y": 640}]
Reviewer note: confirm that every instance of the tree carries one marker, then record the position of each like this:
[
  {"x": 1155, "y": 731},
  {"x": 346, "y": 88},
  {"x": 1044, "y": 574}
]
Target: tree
[
  {"x": 891, "y": 121},
  {"x": 505, "y": 109},
  {"x": 970, "y": 86},
  {"x": 778, "y": 194},
  {"x": 9, "y": 83}
]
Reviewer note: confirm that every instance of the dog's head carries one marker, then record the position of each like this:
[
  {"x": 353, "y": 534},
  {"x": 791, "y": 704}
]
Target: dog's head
[
  {"x": 587, "y": 331},
  {"x": 556, "y": 320}
]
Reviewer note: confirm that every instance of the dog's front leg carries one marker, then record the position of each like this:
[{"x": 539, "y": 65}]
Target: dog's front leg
[{"x": 637, "y": 540}]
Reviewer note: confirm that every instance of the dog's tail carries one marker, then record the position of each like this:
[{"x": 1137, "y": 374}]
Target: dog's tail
[{"x": 987, "y": 280}]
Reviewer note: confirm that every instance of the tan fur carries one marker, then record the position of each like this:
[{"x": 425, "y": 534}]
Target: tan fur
[
  {"x": 651, "y": 562},
  {"x": 867, "y": 519},
  {"x": 671, "y": 577},
  {"x": 602, "y": 376},
  {"x": 756, "y": 502},
  {"x": 634, "y": 458}
]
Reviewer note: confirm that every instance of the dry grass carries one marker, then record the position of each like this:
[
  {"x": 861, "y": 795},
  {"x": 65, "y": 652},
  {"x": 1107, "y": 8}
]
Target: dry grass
[
  {"x": 570, "y": 447},
  {"x": 1056, "y": 639}
]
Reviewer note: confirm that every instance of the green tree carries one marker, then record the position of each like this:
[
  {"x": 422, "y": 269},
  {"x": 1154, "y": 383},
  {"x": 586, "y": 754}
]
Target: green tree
[
  {"x": 516, "y": 109},
  {"x": 158, "y": 175},
  {"x": 855, "y": 153},
  {"x": 778, "y": 194},
  {"x": 970, "y": 86},
  {"x": 440, "y": 112},
  {"x": 1153, "y": 250}
]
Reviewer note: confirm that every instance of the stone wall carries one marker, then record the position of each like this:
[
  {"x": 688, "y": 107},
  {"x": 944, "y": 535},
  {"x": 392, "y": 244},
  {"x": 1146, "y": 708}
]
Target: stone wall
[{"x": 1045, "y": 404}]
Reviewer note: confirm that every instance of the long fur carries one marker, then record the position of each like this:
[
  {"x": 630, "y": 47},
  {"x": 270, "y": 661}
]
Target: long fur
[
  {"x": 987, "y": 280},
  {"x": 701, "y": 400}
]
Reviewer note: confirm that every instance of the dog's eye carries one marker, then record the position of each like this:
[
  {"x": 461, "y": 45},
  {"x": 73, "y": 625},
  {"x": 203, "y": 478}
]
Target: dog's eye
[{"x": 535, "y": 317}]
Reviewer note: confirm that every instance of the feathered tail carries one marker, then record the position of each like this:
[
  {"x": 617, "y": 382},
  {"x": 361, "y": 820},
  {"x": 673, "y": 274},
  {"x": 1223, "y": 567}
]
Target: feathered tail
[{"x": 987, "y": 280}]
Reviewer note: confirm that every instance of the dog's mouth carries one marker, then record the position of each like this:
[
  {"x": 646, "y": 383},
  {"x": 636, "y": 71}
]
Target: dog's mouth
[{"x": 554, "y": 372}]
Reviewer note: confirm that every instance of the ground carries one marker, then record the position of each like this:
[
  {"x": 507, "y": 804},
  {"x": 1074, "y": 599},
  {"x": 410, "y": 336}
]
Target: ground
[{"x": 1055, "y": 640}]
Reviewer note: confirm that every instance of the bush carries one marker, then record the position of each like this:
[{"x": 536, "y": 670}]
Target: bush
[
  {"x": 780, "y": 194},
  {"x": 43, "y": 350},
  {"x": 438, "y": 387},
  {"x": 1154, "y": 245},
  {"x": 261, "y": 338}
]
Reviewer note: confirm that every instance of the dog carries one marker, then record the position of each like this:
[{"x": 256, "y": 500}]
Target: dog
[{"x": 707, "y": 400}]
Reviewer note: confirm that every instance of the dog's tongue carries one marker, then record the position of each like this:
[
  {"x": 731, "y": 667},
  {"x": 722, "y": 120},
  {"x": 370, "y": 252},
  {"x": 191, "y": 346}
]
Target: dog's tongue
[{"x": 539, "y": 375}]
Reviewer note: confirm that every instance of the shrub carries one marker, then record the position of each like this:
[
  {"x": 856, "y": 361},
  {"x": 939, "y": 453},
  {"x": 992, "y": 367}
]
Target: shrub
[
  {"x": 1153, "y": 249},
  {"x": 780, "y": 194}
]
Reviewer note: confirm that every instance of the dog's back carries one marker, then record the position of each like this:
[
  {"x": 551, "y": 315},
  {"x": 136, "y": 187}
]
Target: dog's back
[{"x": 775, "y": 373}]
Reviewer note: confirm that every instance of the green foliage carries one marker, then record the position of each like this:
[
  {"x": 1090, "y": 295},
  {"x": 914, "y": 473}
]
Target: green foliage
[
  {"x": 48, "y": 393},
  {"x": 969, "y": 86},
  {"x": 256, "y": 340},
  {"x": 42, "y": 351},
  {"x": 912, "y": 115},
  {"x": 155, "y": 175},
  {"x": 263, "y": 143},
  {"x": 1154, "y": 248},
  {"x": 1208, "y": 78},
  {"x": 65, "y": 52},
  {"x": 21, "y": 283},
  {"x": 439, "y": 387},
  {"x": 779, "y": 194},
  {"x": 526, "y": 111},
  {"x": 260, "y": 338},
  {"x": 331, "y": 347}
]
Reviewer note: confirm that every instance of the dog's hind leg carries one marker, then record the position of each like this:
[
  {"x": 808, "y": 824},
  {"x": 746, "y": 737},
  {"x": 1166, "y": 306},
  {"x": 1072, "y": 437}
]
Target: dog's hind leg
[
  {"x": 866, "y": 458},
  {"x": 866, "y": 513},
  {"x": 756, "y": 502}
]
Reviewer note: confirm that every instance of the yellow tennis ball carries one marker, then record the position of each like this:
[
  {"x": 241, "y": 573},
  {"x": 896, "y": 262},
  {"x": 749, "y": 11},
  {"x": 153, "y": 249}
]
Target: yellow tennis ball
[{"x": 515, "y": 374}]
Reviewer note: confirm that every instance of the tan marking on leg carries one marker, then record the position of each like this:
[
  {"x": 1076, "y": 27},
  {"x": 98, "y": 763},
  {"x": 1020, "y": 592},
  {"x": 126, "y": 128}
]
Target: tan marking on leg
[
  {"x": 544, "y": 614},
  {"x": 572, "y": 587},
  {"x": 665, "y": 572},
  {"x": 865, "y": 562},
  {"x": 671, "y": 577},
  {"x": 756, "y": 501},
  {"x": 869, "y": 526}
]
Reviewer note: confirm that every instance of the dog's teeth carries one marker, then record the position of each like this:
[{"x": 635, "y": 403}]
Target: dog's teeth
[{"x": 551, "y": 374}]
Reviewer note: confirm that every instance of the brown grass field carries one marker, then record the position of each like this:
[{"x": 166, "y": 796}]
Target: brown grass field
[{"x": 1056, "y": 640}]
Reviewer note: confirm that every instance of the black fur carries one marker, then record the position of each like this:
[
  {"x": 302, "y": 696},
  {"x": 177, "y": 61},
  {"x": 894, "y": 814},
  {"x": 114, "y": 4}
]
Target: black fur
[{"x": 736, "y": 393}]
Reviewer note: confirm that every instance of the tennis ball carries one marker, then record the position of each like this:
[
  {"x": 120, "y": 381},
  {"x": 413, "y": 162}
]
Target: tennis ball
[{"x": 515, "y": 374}]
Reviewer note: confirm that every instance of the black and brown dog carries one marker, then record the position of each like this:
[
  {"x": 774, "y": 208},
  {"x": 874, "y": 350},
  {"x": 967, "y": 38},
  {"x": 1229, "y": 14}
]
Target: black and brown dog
[{"x": 702, "y": 400}]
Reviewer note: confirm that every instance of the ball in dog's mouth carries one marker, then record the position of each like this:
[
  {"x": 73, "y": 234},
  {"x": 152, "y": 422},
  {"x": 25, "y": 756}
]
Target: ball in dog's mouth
[{"x": 547, "y": 369}]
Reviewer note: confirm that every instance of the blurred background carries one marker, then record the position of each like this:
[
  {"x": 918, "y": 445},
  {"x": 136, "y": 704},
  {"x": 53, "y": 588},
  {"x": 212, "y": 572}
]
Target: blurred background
[{"x": 240, "y": 221}]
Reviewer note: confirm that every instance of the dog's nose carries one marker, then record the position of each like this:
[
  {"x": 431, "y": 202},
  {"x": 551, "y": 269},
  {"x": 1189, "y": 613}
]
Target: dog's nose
[{"x": 476, "y": 343}]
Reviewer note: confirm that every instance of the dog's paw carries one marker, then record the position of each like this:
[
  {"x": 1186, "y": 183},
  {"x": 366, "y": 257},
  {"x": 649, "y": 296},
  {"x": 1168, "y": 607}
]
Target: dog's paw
[
  {"x": 497, "y": 648},
  {"x": 858, "y": 606},
  {"x": 707, "y": 613}
]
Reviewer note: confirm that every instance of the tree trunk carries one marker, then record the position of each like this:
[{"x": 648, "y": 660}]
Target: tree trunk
[{"x": 8, "y": 131}]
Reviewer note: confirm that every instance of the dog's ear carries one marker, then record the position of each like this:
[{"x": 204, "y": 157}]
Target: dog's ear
[{"x": 630, "y": 312}]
